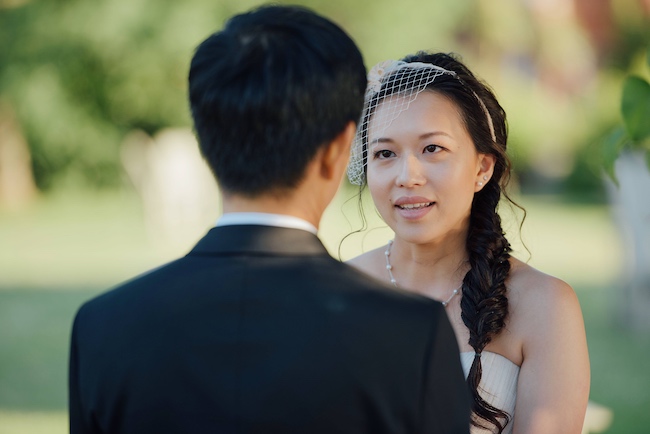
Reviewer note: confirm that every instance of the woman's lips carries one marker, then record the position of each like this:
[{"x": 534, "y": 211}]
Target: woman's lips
[{"x": 413, "y": 208}]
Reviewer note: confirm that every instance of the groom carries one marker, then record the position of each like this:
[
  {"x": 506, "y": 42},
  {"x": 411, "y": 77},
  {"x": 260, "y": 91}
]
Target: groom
[{"x": 258, "y": 329}]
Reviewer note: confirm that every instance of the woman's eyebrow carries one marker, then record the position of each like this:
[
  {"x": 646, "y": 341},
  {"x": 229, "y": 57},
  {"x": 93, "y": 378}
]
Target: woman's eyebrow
[
  {"x": 381, "y": 140},
  {"x": 434, "y": 133},
  {"x": 421, "y": 137}
]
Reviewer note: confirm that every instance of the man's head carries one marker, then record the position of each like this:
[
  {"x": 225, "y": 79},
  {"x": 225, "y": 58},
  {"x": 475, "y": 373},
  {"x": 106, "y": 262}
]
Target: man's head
[{"x": 268, "y": 92}]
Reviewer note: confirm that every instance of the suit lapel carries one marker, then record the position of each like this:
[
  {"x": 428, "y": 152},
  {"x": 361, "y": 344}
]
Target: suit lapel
[{"x": 257, "y": 239}]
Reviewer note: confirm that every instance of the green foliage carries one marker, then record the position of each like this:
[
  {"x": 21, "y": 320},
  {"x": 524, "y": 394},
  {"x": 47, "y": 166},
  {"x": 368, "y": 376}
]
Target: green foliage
[
  {"x": 81, "y": 74},
  {"x": 585, "y": 184},
  {"x": 613, "y": 144},
  {"x": 635, "y": 107},
  {"x": 634, "y": 134}
]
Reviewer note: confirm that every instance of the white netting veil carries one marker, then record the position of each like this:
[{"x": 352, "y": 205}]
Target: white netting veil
[{"x": 394, "y": 84}]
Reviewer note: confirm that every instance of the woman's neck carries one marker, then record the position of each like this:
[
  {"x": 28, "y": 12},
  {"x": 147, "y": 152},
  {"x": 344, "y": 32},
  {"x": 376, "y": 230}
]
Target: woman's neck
[{"x": 434, "y": 269}]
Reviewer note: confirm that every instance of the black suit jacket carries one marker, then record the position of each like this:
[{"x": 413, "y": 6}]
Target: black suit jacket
[{"x": 259, "y": 330}]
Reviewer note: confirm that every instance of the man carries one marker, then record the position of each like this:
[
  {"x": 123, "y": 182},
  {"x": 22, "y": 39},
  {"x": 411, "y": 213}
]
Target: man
[{"x": 258, "y": 329}]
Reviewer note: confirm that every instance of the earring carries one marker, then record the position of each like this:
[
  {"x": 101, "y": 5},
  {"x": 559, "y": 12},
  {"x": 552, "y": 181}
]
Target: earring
[
  {"x": 480, "y": 184},
  {"x": 484, "y": 177}
]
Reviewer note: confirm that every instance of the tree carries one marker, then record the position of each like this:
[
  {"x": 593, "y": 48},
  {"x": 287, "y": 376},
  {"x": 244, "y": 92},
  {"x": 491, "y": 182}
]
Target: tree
[{"x": 80, "y": 75}]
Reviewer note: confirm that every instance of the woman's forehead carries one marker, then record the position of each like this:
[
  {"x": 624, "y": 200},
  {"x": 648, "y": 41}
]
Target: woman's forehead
[{"x": 429, "y": 111}]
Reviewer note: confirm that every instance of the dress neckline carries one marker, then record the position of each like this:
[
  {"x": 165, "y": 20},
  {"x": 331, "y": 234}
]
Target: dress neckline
[{"x": 495, "y": 354}]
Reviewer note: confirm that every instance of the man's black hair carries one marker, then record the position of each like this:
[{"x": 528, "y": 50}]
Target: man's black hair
[{"x": 268, "y": 91}]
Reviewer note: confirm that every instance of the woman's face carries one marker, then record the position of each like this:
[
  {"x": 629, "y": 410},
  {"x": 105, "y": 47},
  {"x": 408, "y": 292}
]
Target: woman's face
[{"x": 423, "y": 169}]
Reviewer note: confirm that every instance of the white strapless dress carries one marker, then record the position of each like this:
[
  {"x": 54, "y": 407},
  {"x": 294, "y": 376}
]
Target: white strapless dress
[{"x": 498, "y": 384}]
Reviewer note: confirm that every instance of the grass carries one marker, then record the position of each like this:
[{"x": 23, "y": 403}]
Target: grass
[
  {"x": 65, "y": 249},
  {"x": 36, "y": 422},
  {"x": 76, "y": 240},
  {"x": 619, "y": 373}
]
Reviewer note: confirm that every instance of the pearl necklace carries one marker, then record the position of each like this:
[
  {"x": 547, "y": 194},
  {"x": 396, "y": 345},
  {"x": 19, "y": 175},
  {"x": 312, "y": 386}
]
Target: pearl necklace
[{"x": 389, "y": 267}]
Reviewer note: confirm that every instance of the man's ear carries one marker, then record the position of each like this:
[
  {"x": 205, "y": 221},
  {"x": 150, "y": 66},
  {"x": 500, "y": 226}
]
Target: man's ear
[
  {"x": 336, "y": 154},
  {"x": 485, "y": 169}
]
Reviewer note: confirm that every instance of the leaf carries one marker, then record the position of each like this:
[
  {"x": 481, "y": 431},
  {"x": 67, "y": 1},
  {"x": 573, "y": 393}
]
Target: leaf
[
  {"x": 613, "y": 144},
  {"x": 635, "y": 107}
]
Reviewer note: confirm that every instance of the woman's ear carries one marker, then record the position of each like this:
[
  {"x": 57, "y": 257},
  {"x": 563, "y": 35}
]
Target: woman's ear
[{"x": 484, "y": 170}]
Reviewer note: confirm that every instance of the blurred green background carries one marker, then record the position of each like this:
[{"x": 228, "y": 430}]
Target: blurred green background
[{"x": 99, "y": 177}]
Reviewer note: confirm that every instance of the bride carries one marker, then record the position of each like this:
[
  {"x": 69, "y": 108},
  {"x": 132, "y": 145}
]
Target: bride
[{"x": 431, "y": 148}]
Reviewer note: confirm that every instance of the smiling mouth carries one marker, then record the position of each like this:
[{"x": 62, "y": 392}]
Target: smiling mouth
[{"x": 415, "y": 206}]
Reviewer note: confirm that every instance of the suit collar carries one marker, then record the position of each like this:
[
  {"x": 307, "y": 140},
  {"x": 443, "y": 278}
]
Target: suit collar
[
  {"x": 265, "y": 219},
  {"x": 257, "y": 239}
]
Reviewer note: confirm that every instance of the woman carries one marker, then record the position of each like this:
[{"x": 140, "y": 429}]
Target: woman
[{"x": 431, "y": 148}]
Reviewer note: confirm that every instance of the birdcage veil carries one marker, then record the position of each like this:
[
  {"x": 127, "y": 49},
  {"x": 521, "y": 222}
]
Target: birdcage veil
[{"x": 394, "y": 84}]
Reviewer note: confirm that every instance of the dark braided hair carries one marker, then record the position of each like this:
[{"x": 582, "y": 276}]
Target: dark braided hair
[{"x": 484, "y": 302}]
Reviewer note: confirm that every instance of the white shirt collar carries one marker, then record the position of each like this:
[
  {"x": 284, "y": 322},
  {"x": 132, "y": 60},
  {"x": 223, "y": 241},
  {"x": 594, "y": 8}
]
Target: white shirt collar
[{"x": 265, "y": 219}]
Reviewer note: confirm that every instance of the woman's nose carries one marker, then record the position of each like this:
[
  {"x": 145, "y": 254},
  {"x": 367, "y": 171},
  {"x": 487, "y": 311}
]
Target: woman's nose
[{"x": 410, "y": 173}]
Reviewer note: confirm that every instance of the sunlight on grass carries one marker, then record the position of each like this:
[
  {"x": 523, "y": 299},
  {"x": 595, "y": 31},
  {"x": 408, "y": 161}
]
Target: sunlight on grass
[
  {"x": 89, "y": 240},
  {"x": 23, "y": 422},
  {"x": 80, "y": 240}
]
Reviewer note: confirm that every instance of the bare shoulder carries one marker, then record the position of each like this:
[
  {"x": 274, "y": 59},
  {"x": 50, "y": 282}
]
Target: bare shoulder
[
  {"x": 529, "y": 287},
  {"x": 553, "y": 383},
  {"x": 540, "y": 302},
  {"x": 371, "y": 262}
]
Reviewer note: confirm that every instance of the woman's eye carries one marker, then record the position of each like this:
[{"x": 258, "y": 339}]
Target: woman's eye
[
  {"x": 431, "y": 148},
  {"x": 384, "y": 153}
]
